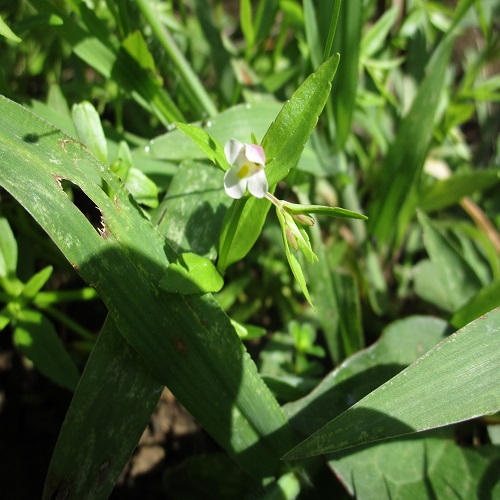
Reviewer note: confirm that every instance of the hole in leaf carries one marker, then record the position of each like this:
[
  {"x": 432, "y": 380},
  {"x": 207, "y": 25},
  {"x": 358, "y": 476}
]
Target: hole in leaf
[{"x": 88, "y": 208}]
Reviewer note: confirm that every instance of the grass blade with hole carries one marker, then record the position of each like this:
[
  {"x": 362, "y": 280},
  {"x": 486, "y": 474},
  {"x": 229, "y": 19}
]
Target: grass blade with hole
[{"x": 188, "y": 342}]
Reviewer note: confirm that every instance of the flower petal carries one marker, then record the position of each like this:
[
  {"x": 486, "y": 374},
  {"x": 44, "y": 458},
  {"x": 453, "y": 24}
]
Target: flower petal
[
  {"x": 234, "y": 186},
  {"x": 257, "y": 183},
  {"x": 255, "y": 154},
  {"x": 235, "y": 152}
]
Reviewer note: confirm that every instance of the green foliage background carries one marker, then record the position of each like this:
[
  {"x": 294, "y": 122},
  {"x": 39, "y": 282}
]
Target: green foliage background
[{"x": 367, "y": 365}]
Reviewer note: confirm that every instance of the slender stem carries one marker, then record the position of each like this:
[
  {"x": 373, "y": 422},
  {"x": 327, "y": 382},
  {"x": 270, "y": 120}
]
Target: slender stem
[
  {"x": 180, "y": 62},
  {"x": 277, "y": 203}
]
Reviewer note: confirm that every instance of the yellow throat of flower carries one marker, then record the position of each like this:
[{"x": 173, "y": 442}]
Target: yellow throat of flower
[{"x": 243, "y": 171}]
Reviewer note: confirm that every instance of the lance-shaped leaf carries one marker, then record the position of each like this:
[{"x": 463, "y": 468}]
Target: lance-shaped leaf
[
  {"x": 89, "y": 129},
  {"x": 288, "y": 134},
  {"x": 283, "y": 144},
  {"x": 213, "y": 150}
]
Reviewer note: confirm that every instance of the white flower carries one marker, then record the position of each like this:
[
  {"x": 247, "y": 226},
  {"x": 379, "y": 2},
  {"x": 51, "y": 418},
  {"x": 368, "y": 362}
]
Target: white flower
[{"x": 248, "y": 162}]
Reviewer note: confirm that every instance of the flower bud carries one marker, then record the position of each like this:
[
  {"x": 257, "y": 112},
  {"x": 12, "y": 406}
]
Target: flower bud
[
  {"x": 303, "y": 219},
  {"x": 291, "y": 238}
]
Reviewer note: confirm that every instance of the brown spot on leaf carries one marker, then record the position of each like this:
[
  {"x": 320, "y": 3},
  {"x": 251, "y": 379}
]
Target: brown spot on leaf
[{"x": 180, "y": 345}]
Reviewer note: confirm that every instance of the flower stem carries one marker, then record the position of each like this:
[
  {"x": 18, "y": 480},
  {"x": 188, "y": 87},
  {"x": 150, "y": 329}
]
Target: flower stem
[{"x": 277, "y": 203}]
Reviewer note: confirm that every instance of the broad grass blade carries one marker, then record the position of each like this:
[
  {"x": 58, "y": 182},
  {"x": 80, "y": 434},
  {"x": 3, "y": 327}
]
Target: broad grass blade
[
  {"x": 188, "y": 342},
  {"x": 455, "y": 381}
]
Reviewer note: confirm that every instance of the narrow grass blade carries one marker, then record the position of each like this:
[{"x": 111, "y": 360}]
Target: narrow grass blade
[
  {"x": 447, "y": 192},
  {"x": 483, "y": 301},
  {"x": 347, "y": 43},
  {"x": 116, "y": 388},
  {"x": 6, "y": 32},
  {"x": 403, "y": 164},
  {"x": 185, "y": 70}
]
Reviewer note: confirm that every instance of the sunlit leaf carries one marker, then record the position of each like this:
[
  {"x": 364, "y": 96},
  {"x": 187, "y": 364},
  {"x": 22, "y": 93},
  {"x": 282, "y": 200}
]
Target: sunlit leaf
[{"x": 455, "y": 381}]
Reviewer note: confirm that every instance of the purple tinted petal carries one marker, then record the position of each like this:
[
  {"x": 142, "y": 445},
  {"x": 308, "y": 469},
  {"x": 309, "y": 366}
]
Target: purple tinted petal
[{"x": 255, "y": 154}]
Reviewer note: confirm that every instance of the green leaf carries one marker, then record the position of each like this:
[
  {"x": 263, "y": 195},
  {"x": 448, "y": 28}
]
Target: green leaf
[
  {"x": 347, "y": 42},
  {"x": 455, "y": 275},
  {"x": 89, "y": 130},
  {"x": 36, "y": 283},
  {"x": 8, "y": 250},
  {"x": 288, "y": 134},
  {"x": 110, "y": 410},
  {"x": 191, "y": 273},
  {"x": 59, "y": 118},
  {"x": 36, "y": 338},
  {"x": 375, "y": 37},
  {"x": 442, "y": 194},
  {"x": 312, "y": 33},
  {"x": 485, "y": 300},
  {"x": 489, "y": 90},
  {"x": 208, "y": 368},
  {"x": 283, "y": 145},
  {"x": 213, "y": 150},
  {"x": 246, "y": 23},
  {"x": 401, "y": 343},
  {"x": 402, "y": 167},
  {"x": 434, "y": 466},
  {"x": 195, "y": 91},
  {"x": 142, "y": 188},
  {"x": 334, "y": 18},
  {"x": 5, "y": 317},
  {"x": 242, "y": 226},
  {"x": 135, "y": 45},
  {"x": 6, "y": 32},
  {"x": 341, "y": 213},
  {"x": 92, "y": 43},
  {"x": 192, "y": 212},
  {"x": 403, "y": 164},
  {"x": 238, "y": 122},
  {"x": 351, "y": 329},
  {"x": 418, "y": 399},
  {"x": 247, "y": 332},
  {"x": 429, "y": 288}
]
